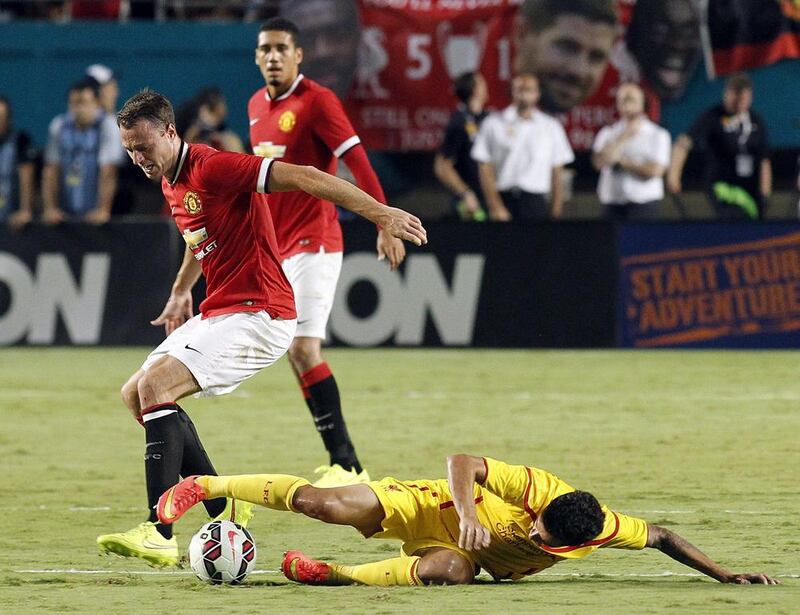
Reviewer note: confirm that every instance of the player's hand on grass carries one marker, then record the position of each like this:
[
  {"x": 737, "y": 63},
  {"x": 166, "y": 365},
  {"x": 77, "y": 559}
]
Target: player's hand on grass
[
  {"x": 390, "y": 248},
  {"x": 473, "y": 535},
  {"x": 177, "y": 311},
  {"x": 752, "y": 578},
  {"x": 403, "y": 225}
]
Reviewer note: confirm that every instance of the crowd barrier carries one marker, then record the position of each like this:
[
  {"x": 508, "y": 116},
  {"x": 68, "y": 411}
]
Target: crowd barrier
[{"x": 586, "y": 284}]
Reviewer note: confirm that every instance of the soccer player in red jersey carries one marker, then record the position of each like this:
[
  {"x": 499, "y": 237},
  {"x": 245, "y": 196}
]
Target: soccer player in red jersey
[
  {"x": 297, "y": 120},
  {"x": 247, "y": 321}
]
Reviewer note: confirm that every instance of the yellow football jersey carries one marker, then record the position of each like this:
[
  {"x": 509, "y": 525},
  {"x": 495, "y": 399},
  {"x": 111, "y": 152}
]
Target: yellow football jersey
[{"x": 422, "y": 514}]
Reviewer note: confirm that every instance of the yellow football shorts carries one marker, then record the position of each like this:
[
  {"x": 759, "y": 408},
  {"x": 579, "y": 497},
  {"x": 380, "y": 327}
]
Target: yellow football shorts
[{"x": 413, "y": 514}]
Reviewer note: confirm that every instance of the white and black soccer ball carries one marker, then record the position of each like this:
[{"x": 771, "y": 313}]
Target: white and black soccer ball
[{"x": 222, "y": 552}]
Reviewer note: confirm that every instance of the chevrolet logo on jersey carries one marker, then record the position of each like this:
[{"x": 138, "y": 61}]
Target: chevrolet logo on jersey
[
  {"x": 268, "y": 149},
  {"x": 193, "y": 239}
]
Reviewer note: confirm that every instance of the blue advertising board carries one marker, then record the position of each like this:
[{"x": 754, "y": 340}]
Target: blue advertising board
[{"x": 714, "y": 285}]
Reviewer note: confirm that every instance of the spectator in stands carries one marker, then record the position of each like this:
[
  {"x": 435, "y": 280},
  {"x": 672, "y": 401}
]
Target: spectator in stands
[
  {"x": 521, "y": 153},
  {"x": 567, "y": 46},
  {"x": 82, "y": 158},
  {"x": 17, "y": 171},
  {"x": 109, "y": 87},
  {"x": 208, "y": 124},
  {"x": 664, "y": 37},
  {"x": 734, "y": 142},
  {"x": 453, "y": 165},
  {"x": 632, "y": 156}
]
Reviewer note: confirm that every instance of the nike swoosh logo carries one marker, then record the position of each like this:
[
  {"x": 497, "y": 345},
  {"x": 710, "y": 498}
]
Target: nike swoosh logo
[
  {"x": 152, "y": 545},
  {"x": 167, "y": 512},
  {"x": 317, "y": 419},
  {"x": 254, "y": 121},
  {"x": 190, "y": 348},
  {"x": 149, "y": 444},
  {"x": 302, "y": 322}
]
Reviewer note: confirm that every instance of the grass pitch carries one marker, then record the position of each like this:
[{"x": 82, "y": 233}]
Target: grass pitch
[{"x": 704, "y": 443}]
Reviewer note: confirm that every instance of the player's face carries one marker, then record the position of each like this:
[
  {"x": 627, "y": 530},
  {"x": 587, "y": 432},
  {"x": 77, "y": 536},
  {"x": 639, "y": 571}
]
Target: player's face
[
  {"x": 540, "y": 535},
  {"x": 83, "y": 105},
  {"x": 525, "y": 92},
  {"x": 569, "y": 58},
  {"x": 278, "y": 58},
  {"x": 630, "y": 100},
  {"x": 671, "y": 35},
  {"x": 151, "y": 147},
  {"x": 737, "y": 101}
]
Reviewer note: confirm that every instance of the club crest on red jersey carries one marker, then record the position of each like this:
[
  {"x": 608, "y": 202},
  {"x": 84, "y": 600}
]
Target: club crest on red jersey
[
  {"x": 192, "y": 204},
  {"x": 286, "y": 121}
]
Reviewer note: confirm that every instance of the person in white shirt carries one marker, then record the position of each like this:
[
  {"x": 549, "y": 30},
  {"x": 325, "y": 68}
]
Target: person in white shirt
[
  {"x": 521, "y": 153},
  {"x": 632, "y": 156}
]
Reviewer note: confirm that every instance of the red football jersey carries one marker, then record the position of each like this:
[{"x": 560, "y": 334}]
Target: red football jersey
[
  {"x": 229, "y": 230},
  {"x": 305, "y": 125}
]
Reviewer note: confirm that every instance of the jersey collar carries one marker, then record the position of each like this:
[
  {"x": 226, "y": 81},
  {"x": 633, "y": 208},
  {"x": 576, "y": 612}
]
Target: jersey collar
[
  {"x": 182, "y": 153},
  {"x": 288, "y": 92}
]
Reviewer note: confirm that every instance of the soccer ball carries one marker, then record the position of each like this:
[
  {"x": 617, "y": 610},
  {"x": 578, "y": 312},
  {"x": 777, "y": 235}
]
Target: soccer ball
[{"x": 222, "y": 552}]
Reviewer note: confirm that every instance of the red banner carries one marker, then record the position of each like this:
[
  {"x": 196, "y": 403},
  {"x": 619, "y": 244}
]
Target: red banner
[{"x": 411, "y": 50}]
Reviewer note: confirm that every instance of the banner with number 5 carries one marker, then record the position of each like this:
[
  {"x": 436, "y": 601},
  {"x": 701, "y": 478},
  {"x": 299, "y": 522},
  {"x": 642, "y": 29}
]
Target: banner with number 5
[{"x": 401, "y": 95}]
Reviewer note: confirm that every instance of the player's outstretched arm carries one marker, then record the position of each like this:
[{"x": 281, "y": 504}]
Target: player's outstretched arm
[
  {"x": 680, "y": 549},
  {"x": 285, "y": 177},
  {"x": 179, "y": 305},
  {"x": 463, "y": 471}
]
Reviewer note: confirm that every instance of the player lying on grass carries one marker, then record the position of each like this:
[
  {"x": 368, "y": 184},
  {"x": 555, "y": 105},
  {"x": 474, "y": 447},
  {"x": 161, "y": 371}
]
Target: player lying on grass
[{"x": 510, "y": 520}]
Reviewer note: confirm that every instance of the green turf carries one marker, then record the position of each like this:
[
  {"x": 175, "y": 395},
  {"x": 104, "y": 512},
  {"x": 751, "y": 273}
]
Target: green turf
[{"x": 705, "y": 443}]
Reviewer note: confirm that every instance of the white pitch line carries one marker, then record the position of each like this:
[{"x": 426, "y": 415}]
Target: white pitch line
[
  {"x": 599, "y": 395},
  {"x": 644, "y": 575},
  {"x": 167, "y": 573}
]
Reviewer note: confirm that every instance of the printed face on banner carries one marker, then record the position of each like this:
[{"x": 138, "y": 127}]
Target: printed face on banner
[
  {"x": 664, "y": 37},
  {"x": 569, "y": 57},
  {"x": 329, "y": 34}
]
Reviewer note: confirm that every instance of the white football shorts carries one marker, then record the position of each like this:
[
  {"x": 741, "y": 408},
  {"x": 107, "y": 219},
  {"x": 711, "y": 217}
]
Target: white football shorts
[
  {"x": 313, "y": 276},
  {"x": 223, "y": 351}
]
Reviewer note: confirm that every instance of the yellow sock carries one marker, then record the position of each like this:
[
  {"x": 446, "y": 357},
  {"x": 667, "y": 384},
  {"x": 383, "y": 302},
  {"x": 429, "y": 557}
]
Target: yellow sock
[
  {"x": 271, "y": 490},
  {"x": 395, "y": 571}
]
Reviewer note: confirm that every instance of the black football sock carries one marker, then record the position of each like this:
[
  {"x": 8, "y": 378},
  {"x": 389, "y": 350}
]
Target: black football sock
[
  {"x": 196, "y": 461},
  {"x": 326, "y": 408},
  {"x": 163, "y": 455}
]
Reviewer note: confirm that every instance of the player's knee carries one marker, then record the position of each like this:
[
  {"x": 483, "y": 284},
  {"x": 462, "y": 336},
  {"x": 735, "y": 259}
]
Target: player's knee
[
  {"x": 130, "y": 394},
  {"x": 315, "y": 503},
  {"x": 304, "y": 354},
  {"x": 150, "y": 388},
  {"x": 445, "y": 568}
]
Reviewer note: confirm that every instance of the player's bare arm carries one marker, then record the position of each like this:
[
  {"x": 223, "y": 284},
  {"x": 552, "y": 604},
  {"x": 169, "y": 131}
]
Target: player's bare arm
[
  {"x": 463, "y": 471},
  {"x": 681, "y": 550},
  {"x": 179, "y": 305},
  {"x": 285, "y": 177}
]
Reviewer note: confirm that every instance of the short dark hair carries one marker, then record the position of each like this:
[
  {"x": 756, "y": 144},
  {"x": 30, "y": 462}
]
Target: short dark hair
[
  {"x": 574, "y": 518},
  {"x": 281, "y": 24},
  {"x": 85, "y": 83},
  {"x": 541, "y": 14},
  {"x": 739, "y": 82},
  {"x": 464, "y": 86},
  {"x": 146, "y": 105}
]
